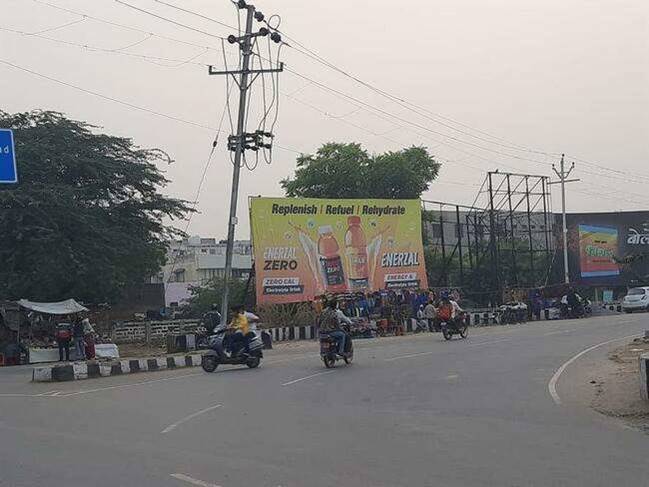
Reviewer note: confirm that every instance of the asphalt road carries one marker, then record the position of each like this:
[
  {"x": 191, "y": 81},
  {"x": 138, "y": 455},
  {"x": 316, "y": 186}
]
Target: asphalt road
[{"x": 410, "y": 411}]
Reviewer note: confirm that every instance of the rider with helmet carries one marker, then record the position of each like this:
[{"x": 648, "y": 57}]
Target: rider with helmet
[{"x": 330, "y": 324}]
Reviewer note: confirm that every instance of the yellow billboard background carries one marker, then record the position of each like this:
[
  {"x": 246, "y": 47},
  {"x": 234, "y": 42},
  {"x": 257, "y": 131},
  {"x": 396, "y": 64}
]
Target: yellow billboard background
[{"x": 306, "y": 247}]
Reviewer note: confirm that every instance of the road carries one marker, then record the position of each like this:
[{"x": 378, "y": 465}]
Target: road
[{"x": 411, "y": 411}]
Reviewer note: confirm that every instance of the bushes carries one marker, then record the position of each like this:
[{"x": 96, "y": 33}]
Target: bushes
[{"x": 292, "y": 314}]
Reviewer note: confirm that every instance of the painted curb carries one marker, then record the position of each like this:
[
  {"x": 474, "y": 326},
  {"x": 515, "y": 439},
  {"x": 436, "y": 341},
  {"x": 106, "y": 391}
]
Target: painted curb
[
  {"x": 83, "y": 370},
  {"x": 644, "y": 376}
]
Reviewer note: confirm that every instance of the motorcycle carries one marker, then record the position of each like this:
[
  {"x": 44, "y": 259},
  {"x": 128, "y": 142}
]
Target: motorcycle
[
  {"x": 217, "y": 354},
  {"x": 329, "y": 349},
  {"x": 459, "y": 326}
]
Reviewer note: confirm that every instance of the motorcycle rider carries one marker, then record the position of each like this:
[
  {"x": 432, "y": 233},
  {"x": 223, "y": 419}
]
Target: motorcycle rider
[
  {"x": 239, "y": 329},
  {"x": 448, "y": 310},
  {"x": 330, "y": 324}
]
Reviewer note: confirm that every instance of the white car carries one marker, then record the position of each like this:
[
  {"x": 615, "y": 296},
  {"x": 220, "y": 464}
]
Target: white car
[{"x": 637, "y": 298}]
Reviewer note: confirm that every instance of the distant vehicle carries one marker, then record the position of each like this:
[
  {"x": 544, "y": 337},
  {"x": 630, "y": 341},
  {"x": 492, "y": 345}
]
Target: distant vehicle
[{"x": 636, "y": 299}]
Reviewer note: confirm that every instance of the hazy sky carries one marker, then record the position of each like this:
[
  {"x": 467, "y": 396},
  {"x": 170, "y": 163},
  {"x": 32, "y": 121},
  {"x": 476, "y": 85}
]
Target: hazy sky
[{"x": 553, "y": 76}]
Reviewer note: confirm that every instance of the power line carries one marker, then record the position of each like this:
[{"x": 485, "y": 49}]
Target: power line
[
  {"x": 106, "y": 97},
  {"x": 122, "y": 26},
  {"x": 166, "y": 19},
  {"x": 313, "y": 55},
  {"x": 119, "y": 51},
  {"x": 196, "y": 14}
]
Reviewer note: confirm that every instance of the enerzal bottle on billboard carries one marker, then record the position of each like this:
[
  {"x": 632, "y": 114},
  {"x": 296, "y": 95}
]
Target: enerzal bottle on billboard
[
  {"x": 330, "y": 261},
  {"x": 356, "y": 252}
]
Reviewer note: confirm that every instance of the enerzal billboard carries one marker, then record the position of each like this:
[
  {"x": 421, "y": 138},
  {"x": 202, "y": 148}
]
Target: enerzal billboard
[
  {"x": 307, "y": 247},
  {"x": 602, "y": 247}
]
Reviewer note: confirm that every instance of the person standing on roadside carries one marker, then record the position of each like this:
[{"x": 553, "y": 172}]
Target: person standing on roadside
[
  {"x": 63, "y": 336},
  {"x": 429, "y": 315},
  {"x": 79, "y": 343},
  {"x": 88, "y": 338}
]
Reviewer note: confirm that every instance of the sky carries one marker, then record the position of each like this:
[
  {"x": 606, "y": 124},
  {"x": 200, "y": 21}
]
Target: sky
[{"x": 489, "y": 84}]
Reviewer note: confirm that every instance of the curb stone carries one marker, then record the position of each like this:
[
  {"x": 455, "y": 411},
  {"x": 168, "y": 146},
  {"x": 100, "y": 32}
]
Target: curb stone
[
  {"x": 83, "y": 370},
  {"x": 644, "y": 376}
]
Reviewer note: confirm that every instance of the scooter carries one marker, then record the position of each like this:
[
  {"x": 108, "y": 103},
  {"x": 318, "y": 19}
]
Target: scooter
[
  {"x": 457, "y": 327},
  {"x": 216, "y": 354},
  {"x": 329, "y": 349}
]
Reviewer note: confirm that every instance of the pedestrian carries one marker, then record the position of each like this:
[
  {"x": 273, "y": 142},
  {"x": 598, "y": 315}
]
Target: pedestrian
[
  {"x": 429, "y": 315},
  {"x": 89, "y": 338},
  {"x": 63, "y": 336},
  {"x": 79, "y": 343}
]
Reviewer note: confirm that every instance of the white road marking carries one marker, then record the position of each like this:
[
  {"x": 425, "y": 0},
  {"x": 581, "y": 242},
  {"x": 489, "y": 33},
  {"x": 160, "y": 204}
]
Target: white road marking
[
  {"x": 173, "y": 426},
  {"x": 11, "y": 394},
  {"x": 193, "y": 481},
  {"x": 552, "y": 385},
  {"x": 488, "y": 343},
  {"x": 119, "y": 386},
  {"x": 452, "y": 376},
  {"x": 410, "y": 355},
  {"x": 308, "y": 377},
  {"x": 558, "y": 332}
]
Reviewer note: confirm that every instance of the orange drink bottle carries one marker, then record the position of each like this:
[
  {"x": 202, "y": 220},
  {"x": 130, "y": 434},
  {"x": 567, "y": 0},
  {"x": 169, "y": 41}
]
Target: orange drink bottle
[
  {"x": 330, "y": 262},
  {"x": 356, "y": 252}
]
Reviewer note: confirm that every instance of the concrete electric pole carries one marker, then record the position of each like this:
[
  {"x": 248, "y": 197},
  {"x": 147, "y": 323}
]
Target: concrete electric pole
[
  {"x": 563, "y": 179},
  {"x": 243, "y": 141}
]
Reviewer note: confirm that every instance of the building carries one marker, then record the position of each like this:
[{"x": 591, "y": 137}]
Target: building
[{"x": 195, "y": 261}]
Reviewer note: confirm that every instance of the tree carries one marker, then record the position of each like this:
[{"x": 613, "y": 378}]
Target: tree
[
  {"x": 87, "y": 219},
  {"x": 348, "y": 171},
  {"x": 203, "y": 297}
]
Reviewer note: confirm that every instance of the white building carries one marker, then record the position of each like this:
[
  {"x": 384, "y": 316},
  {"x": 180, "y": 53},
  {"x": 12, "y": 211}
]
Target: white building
[{"x": 195, "y": 261}]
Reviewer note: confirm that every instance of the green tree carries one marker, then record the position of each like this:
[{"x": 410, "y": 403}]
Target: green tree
[
  {"x": 87, "y": 219},
  {"x": 347, "y": 171},
  {"x": 203, "y": 297}
]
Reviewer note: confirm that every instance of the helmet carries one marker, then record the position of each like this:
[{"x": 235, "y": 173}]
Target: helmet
[{"x": 444, "y": 295}]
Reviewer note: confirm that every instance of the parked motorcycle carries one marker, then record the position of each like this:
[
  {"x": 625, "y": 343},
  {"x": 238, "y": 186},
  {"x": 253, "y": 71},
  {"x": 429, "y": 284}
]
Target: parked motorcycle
[
  {"x": 459, "y": 326},
  {"x": 329, "y": 349},
  {"x": 216, "y": 354}
]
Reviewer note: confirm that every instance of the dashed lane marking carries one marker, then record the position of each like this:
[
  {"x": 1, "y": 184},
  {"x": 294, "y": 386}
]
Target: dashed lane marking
[
  {"x": 191, "y": 480},
  {"x": 173, "y": 426},
  {"x": 307, "y": 377}
]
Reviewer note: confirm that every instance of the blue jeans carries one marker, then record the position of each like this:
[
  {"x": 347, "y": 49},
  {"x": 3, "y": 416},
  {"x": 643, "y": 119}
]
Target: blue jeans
[{"x": 340, "y": 337}]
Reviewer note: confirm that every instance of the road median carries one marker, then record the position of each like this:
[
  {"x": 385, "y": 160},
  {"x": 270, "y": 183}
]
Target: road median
[{"x": 97, "y": 369}]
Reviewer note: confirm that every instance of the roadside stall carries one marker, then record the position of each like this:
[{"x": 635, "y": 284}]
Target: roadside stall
[{"x": 41, "y": 319}]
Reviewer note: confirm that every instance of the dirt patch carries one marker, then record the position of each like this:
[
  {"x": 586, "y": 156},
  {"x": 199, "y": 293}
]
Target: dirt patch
[{"x": 616, "y": 390}]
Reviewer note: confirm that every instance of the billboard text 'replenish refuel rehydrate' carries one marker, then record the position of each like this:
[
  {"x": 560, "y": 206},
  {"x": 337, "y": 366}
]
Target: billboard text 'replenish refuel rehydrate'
[{"x": 307, "y": 247}]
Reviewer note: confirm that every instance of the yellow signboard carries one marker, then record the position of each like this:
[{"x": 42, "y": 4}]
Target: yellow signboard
[{"x": 306, "y": 247}]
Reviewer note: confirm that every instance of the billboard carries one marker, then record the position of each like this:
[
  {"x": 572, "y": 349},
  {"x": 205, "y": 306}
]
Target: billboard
[
  {"x": 608, "y": 249},
  {"x": 306, "y": 247},
  {"x": 597, "y": 248}
]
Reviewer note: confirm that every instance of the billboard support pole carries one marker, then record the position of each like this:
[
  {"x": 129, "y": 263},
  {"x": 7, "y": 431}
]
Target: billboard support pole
[{"x": 563, "y": 176}]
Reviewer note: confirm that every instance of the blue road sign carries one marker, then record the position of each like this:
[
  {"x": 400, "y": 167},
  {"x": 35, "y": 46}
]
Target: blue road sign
[{"x": 8, "y": 172}]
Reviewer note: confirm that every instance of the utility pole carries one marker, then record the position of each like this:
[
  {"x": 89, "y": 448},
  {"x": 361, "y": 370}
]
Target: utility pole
[
  {"x": 243, "y": 141},
  {"x": 563, "y": 179}
]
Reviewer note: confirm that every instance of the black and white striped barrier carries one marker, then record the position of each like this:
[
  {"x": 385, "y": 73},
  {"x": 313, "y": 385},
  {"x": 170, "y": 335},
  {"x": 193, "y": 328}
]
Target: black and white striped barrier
[
  {"x": 293, "y": 333},
  {"x": 90, "y": 370},
  {"x": 644, "y": 376}
]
